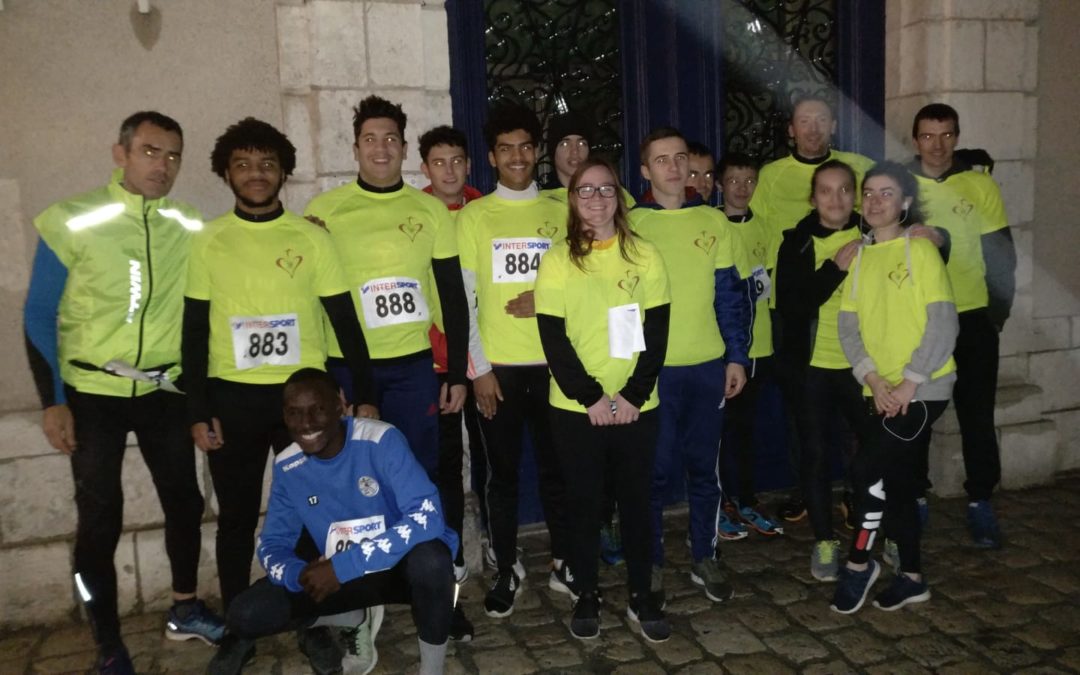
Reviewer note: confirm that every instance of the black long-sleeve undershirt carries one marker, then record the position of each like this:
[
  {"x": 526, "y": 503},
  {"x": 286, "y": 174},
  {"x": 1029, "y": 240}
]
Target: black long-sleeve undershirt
[
  {"x": 455, "y": 312},
  {"x": 342, "y": 314}
]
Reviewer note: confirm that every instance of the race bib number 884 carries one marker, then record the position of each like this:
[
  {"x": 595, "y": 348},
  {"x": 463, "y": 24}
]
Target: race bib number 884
[{"x": 515, "y": 260}]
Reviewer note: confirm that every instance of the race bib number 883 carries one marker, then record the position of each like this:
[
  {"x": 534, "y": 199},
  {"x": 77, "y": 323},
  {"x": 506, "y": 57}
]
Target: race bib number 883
[
  {"x": 265, "y": 340},
  {"x": 516, "y": 260}
]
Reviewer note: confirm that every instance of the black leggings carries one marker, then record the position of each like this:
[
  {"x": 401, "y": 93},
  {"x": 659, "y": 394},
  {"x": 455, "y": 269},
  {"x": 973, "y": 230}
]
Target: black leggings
[
  {"x": 739, "y": 434},
  {"x": 424, "y": 579},
  {"x": 591, "y": 457},
  {"x": 159, "y": 420},
  {"x": 888, "y": 473}
]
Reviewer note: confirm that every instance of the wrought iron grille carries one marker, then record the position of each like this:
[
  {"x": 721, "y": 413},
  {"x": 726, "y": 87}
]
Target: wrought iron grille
[
  {"x": 774, "y": 52},
  {"x": 554, "y": 56}
]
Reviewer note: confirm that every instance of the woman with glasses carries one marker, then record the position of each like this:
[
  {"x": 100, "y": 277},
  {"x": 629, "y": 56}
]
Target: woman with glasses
[
  {"x": 897, "y": 326},
  {"x": 602, "y": 309}
]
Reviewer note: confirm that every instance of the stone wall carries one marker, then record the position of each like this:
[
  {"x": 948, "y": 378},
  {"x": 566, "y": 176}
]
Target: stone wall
[
  {"x": 984, "y": 59},
  {"x": 299, "y": 65}
]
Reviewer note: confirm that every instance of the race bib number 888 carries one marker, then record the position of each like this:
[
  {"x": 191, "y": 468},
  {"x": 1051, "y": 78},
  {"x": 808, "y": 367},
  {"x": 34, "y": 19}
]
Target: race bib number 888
[
  {"x": 265, "y": 340},
  {"x": 516, "y": 260},
  {"x": 392, "y": 300}
]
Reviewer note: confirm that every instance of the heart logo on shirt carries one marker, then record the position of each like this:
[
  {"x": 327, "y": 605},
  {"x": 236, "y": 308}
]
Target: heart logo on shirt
[
  {"x": 411, "y": 228},
  {"x": 630, "y": 283},
  {"x": 547, "y": 231},
  {"x": 898, "y": 275},
  {"x": 759, "y": 251},
  {"x": 963, "y": 208},
  {"x": 289, "y": 262},
  {"x": 706, "y": 242}
]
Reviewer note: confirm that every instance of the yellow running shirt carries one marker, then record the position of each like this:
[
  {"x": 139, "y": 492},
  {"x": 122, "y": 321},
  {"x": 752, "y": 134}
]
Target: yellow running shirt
[
  {"x": 967, "y": 204},
  {"x": 585, "y": 299},
  {"x": 501, "y": 242},
  {"x": 827, "y": 350},
  {"x": 694, "y": 242},
  {"x": 386, "y": 241},
  {"x": 889, "y": 288},
  {"x": 755, "y": 242},
  {"x": 782, "y": 197},
  {"x": 264, "y": 281}
]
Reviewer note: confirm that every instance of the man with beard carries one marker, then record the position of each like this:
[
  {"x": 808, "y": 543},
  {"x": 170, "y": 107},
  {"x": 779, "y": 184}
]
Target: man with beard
[{"x": 259, "y": 279}]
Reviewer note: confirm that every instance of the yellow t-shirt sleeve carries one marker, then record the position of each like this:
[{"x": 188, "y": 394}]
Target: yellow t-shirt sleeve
[{"x": 992, "y": 209}]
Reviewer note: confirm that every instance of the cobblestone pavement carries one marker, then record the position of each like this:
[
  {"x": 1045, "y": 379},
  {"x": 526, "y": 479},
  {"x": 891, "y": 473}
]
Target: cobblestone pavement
[{"x": 1011, "y": 611}]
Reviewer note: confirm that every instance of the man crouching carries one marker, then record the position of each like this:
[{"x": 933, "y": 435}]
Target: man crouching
[{"x": 356, "y": 487}]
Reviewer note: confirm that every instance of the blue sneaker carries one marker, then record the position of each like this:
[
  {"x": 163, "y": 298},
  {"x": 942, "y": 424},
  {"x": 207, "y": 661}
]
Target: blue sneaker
[
  {"x": 902, "y": 591},
  {"x": 729, "y": 530},
  {"x": 611, "y": 545},
  {"x": 197, "y": 622},
  {"x": 758, "y": 522},
  {"x": 983, "y": 525},
  {"x": 852, "y": 588}
]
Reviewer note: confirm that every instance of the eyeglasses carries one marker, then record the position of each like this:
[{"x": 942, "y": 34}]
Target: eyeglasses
[{"x": 607, "y": 191}]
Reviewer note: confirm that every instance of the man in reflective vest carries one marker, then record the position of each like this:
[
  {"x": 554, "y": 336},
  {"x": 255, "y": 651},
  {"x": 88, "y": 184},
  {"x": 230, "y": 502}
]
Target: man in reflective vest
[{"x": 103, "y": 339}]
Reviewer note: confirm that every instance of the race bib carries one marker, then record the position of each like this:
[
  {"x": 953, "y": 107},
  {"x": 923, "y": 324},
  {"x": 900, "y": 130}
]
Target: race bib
[
  {"x": 392, "y": 300},
  {"x": 272, "y": 340},
  {"x": 516, "y": 260},
  {"x": 762, "y": 283},
  {"x": 626, "y": 336},
  {"x": 346, "y": 534}
]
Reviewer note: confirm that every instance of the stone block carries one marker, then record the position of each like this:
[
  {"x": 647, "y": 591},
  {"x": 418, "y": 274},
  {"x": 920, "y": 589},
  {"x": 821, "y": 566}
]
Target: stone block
[
  {"x": 298, "y": 127},
  {"x": 395, "y": 34},
  {"x": 996, "y": 121},
  {"x": 37, "y": 499},
  {"x": 297, "y": 195},
  {"x": 335, "y": 137},
  {"x": 1017, "y": 338},
  {"x": 898, "y": 115},
  {"x": 1017, "y": 183},
  {"x": 947, "y": 464},
  {"x": 294, "y": 48},
  {"x": 1007, "y": 46},
  {"x": 155, "y": 573},
  {"x": 914, "y": 67},
  {"x": 1054, "y": 332},
  {"x": 1029, "y": 454},
  {"x": 21, "y": 436},
  {"x": 1013, "y": 368},
  {"x": 15, "y": 272},
  {"x": 920, "y": 10},
  {"x": 1057, "y": 373},
  {"x": 436, "y": 48},
  {"x": 1018, "y": 403},
  {"x": 329, "y": 182},
  {"x": 338, "y": 52},
  {"x": 1075, "y": 331},
  {"x": 49, "y": 598},
  {"x": 1024, "y": 241},
  {"x": 990, "y": 9},
  {"x": 1067, "y": 423}
]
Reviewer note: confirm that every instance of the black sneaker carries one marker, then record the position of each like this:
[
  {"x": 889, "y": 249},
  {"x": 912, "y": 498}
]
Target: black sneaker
[
  {"x": 562, "y": 580},
  {"x": 231, "y": 656},
  {"x": 461, "y": 629},
  {"x": 793, "y": 510},
  {"x": 852, "y": 587},
  {"x": 499, "y": 601},
  {"x": 643, "y": 611},
  {"x": 585, "y": 624},
  {"x": 324, "y": 652},
  {"x": 902, "y": 591},
  {"x": 115, "y": 661}
]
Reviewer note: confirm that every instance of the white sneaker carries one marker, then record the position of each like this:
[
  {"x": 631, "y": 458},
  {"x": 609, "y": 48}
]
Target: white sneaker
[{"x": 361, "y": 655}]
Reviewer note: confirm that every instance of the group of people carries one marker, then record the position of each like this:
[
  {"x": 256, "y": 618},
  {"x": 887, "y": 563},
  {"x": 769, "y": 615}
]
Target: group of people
[{"x": 355, "y": 340}]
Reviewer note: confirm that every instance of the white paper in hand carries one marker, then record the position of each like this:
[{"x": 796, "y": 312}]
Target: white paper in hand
[{"x": 625, "y": 334}]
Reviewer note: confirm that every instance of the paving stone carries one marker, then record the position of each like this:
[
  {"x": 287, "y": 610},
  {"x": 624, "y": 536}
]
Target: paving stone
[
  {"x": 761, "y": 618},
  {"x": 797, "y": 647},
  {"x": 1070, "y": 658},
  {"x": 998, "y": 613},
  {"x": 645, "y": 668},
  {"x": 951, "y": 619},
  {"x": 1005, "y": 651},
  {"x": 1039, "y": 670},
  {"x": 783, "y": 590},
  {"x": 491, "y": 636},
  {"x": 817, "y": 616},
  {"x": 676, "y": 651},
  {"x": 965, "y": 668},
  {"x": 70, "y": 663},
  {"x": 859, "y": 646},
  {"x": 1047, "y": 636},
  {"x": 690, "y": 604},
  {"x": 701, "y": 668},
  {"x": 756, "y": 664},
  {"x": 1058, "y": 578},
  {"x": 895, "y": 624},
  {"x": 550, "y": 634},
  {"x": 932, "y": 650},
  {"x": 508, "y": 660},
  {"x": 18, "y": 646},
  {"x": 831, "y": 668},
  {"x": 898, "y": 667},
  {"x": 1065, "y": 616},
  {"x": 721, "y": 637},
  {"x": 67, "y": 640},
  {"x": 622, "y": 652},
  {"x": 556, "y": 656}
]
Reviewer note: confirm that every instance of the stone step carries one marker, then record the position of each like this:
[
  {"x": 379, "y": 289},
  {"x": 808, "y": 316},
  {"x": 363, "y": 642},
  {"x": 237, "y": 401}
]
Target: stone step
[
  {"x": 1017, "y": 402},
  {"x": 1029, "y": 456}
]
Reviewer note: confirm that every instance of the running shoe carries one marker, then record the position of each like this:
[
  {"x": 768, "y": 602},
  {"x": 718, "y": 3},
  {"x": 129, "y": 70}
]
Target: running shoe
[
  {"x": 194, "y": 621},
  {"x": 562, "y": 580},
  {"x": 461, "y": 573},
  {"x": 499, "y": 601},
  {"x": 708, "y": 575},
  {"x": 852, "y": 587},
  {"x": 360, "y": 653},
  {"x": 983, "y": 525},
  {"x": 649, "y": 617},
  {"x": 585, "y": 622},
  {"x": 728, "y": 529},
  {"x": 324, "y": 653},
  {"x": 461, "y": 629},
  {"x": 825, "y": 560},
  {"x": 902, "y": 591},
  {"x": 656, "y": 587},
  {"x": 793, "y": 510},
  {"x": 758, "y": 522},
  {"x": 115, "y": 661},
  {"x": 611, "y": 546},
  {"x": 847, "y": 509},
  {"x": 890, "y": 555}
]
